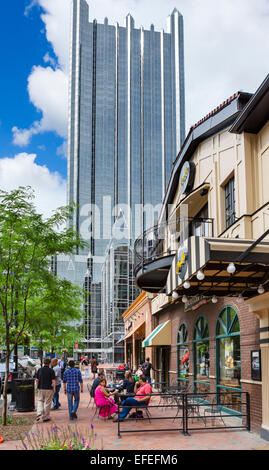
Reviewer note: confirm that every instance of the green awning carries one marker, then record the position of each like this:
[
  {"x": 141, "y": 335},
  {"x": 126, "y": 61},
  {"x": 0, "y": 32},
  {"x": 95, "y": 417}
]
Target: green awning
[{"x": 161, "y": 336}]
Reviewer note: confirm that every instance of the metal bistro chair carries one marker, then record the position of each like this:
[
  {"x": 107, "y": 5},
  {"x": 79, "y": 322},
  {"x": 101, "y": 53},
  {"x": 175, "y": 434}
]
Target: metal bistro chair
[
  {"x": 167, "y": 397},
  {"x": 98, "y": 409},
  {"x": 215, "y": 411},
  {"x": 91, "y": 400}
]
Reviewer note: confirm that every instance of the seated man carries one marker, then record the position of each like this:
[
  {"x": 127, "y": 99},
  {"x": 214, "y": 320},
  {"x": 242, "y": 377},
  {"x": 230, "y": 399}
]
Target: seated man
[{"x": 140, "y": 398}]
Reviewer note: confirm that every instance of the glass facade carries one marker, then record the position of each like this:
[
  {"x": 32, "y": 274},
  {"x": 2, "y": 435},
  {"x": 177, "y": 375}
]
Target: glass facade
[
  {"x": 229, "y": 358},
  {"x": 118, "y": 290},
  {"x": 201, "y": 356},
  {"x": 183, "y": 354},
  {"x": 126, "y": 125}
]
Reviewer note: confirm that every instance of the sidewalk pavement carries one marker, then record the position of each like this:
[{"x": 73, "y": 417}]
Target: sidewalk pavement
[{"x": 107, "y": 431}]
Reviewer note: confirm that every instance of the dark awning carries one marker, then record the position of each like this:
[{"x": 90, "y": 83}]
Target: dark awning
[{"x": 212, "y": 256}]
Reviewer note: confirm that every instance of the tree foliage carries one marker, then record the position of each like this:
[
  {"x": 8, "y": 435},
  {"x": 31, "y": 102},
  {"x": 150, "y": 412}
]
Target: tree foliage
[{"x": 27, "y": 243}]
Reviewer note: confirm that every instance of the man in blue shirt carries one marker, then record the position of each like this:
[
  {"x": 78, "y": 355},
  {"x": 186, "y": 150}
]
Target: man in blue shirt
[{"x": 73, "y": 385}]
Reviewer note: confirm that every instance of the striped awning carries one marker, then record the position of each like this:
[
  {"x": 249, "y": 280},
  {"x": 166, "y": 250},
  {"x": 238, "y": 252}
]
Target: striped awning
[
  {"x": 212, "y": 256},
  {"x": 161, "y": 336}
]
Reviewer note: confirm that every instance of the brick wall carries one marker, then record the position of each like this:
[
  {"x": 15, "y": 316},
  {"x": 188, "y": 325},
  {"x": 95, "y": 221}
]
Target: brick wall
[{"x": 249, "y": 340}]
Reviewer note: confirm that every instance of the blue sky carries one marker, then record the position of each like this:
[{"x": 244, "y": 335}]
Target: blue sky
[
  {"x": 226, "y": 50},
  {"x": 25, "y": 46}
]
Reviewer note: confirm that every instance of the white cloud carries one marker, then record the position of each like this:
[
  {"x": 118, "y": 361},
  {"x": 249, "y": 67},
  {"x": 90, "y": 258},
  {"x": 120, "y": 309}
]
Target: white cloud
[
  {"x": 48, "y": 90},
  {"x": 226, "y": 50},
  {"x": 50, "y": 187},
  {"x": 22, "y": 137}
]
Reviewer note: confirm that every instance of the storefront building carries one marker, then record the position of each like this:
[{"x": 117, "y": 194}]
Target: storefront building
[
  {"x": 206, "y": 263},
  {"x": 137, "y": 325}
]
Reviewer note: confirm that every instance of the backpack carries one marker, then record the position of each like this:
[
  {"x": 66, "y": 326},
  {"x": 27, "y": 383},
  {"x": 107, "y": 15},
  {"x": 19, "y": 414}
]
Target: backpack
[{"x": 137, "y": 415}]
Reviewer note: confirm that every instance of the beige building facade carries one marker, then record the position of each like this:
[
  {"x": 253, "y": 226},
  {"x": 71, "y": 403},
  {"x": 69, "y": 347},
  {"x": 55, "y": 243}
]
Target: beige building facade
[
  {"x": 210, "y": 275},
  {"x": 138, "y": 323}
]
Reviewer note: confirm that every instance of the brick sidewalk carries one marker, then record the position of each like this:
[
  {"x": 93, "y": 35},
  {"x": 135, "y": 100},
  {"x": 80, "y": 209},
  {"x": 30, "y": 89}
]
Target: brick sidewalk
[{"x": 163, "y": 440}]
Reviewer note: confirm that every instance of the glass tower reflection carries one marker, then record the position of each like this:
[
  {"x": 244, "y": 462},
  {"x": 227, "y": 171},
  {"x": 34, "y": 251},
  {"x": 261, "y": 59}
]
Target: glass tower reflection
[{"x": 126, "y": 125}]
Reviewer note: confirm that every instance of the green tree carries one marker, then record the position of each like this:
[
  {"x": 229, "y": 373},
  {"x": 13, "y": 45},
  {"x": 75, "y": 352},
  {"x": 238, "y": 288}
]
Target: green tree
[
  {"x": 27, "y": 242},
  {"x": 56, "y": 314}
]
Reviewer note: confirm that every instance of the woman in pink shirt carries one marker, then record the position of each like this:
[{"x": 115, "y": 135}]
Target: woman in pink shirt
[
  {"x": 142, "y": 398},
  {"x": 103, "y": 399}
]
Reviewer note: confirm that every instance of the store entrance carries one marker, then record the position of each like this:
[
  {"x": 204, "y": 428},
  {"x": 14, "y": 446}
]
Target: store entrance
[{"x": 165, "y": 363}]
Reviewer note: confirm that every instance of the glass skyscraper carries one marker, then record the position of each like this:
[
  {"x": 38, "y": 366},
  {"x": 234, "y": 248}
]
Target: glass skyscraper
[{"x": 126, "y": 126}]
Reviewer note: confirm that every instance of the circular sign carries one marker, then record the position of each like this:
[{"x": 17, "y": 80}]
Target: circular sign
[{"x": 186, "y": 178}]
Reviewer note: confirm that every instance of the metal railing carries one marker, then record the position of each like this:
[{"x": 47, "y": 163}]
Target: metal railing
[
  {"x": 213, "y": 410},
  {"x": 151, "y": 244}
]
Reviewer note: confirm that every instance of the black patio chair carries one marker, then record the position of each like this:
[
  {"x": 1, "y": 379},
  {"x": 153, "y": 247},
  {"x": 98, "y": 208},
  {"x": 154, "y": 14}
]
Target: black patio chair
[
  {"x": 215, "y": 411},
  {"x": 98, "y": 409}
]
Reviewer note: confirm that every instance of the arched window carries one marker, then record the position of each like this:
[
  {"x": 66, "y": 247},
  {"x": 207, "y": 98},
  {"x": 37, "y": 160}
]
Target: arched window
[
  {"x": 228, "y": 355},
  {"x": 183, "y": 354},
  {"x": 201, "y": 356}
]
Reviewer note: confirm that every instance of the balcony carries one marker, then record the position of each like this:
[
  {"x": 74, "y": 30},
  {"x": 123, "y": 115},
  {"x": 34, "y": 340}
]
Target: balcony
[{"x": 152, "y": 258}]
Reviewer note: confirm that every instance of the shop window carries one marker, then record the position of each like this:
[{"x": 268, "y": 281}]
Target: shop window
[
  {"x": 183, "y": 354},
  {"x": 201, "y": 356},
  {"x": 229, "y": 357},
  {"x": 230, "y": 203}
]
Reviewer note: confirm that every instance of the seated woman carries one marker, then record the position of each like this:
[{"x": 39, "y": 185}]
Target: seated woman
[
  {"x": 128, "y": 383},
  {"x": 138, "y": 373},
  {"x": 102, "y": 399}
]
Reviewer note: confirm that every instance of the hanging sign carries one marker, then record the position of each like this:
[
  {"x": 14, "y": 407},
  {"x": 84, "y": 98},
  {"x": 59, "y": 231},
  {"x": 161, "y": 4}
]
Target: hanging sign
[
  {"x": 182, "y": 258},
  {"x": 186, "y": 178}
]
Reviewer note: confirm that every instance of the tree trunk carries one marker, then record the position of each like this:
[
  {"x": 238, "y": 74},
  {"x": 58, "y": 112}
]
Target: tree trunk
[{"x": 4, "y": 412}]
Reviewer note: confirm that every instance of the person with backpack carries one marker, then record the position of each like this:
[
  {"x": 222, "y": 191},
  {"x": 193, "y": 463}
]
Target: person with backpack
[{"x": 146, "y": 368}]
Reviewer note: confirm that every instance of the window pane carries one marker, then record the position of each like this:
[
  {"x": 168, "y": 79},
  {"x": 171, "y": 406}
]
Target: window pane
[
  {"x": 202, "y": 361},
  {"x": 183, "y": 363},
  {"x": 229, "y": 362}
]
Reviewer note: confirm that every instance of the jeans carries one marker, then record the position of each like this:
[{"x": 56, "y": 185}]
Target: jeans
[
  {"x": 130, "y": 402},
  {"x": 56, "y": 403},
  {"x": 149, "y": 380},
  {"x": 73, "y": 402}
]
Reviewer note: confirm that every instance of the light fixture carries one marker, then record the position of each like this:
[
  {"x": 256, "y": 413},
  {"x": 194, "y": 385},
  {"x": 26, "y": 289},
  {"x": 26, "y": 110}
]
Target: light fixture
[
  {"x": 186, "y": 285},
  {"x": 260, "y": 289},
  {"x": 184, "y": 299},
  {"x": 231, "y": 268},
  {"x": 240, "y": 299},
  {"x": 200, "y": 275},
  {"x": 175, "y": 295},
  {"x": 214, "y": 299}
]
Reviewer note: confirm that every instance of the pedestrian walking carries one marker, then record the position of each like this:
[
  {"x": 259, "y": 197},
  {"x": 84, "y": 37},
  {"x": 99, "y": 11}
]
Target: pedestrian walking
[
  {"x": 73, "y": 385},
  {"x": 94, "y": 365},
  {"x": 46, "y": 385},
  {"x": 85, "y": 363},
  {"x": 146, "y": 368},
  {"x": 58, "y": 376},
  {"x": 63, "y": 365}
]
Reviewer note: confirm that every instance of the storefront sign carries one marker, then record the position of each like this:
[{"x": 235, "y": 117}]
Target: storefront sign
[
  {"x": 194, "y": 303},
  {"x": 158, "y": 303},
  {"x": 128, "y": 325},
  {"x": 186, "y": 178},
  {"x": 256, "y": 371}
]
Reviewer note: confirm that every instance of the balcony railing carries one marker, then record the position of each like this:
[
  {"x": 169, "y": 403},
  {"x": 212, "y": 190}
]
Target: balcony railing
[{"x": 153, "y": 243}]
